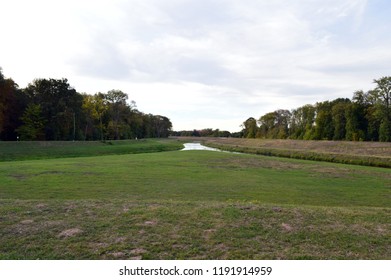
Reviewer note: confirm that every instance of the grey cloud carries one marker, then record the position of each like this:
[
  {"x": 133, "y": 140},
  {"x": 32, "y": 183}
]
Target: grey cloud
[{"x": 272, "y": 54}]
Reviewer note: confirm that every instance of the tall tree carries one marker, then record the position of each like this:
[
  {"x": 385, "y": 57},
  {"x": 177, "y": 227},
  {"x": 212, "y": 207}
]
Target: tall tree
[
  {"x": 118, "y": 110},
  {"x": 324, "y": 129},
  {"x": 383, "y": 89},
  {"x": 250, "y": 128},
  {"x": 12, "y": 105},
  {"x": 355, "y": 114},
  {"x": 267, "y": 124},
  {"x": 338, "y": 114},
  {"x": 33, "y": 123},
  {"x": 99, "y": 109},
  {"x": 302, "y": 122},
  {"x": 60, "y": 104},
  {"x": 162, "y": 126}
]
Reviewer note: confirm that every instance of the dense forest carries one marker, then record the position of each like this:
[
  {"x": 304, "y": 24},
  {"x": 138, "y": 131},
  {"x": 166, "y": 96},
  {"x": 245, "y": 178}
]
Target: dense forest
[
  {"x": 49, "y": 109},
  {"x": 367, "y": 117}
]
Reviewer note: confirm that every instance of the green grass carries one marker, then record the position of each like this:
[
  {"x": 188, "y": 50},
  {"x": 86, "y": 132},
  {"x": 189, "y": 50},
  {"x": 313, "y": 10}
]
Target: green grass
[
  {"x": 27, "y": 150},
  {"x": 193, "y": 205}
]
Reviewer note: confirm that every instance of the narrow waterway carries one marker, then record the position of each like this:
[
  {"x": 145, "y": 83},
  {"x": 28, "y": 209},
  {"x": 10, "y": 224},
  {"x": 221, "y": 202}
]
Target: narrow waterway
[{"x": 198, "y": 147}]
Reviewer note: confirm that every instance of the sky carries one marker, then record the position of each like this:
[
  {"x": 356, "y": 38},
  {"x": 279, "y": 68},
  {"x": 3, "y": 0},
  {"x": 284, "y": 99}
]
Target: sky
[{"x": 202, "y": 64}]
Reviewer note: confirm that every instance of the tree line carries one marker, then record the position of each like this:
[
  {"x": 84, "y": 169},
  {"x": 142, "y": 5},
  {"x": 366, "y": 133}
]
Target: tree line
[
  {"x": 366, "y": 117},
  {"x": 206, "y": 132},
  {"x": 50, "y": 109}
]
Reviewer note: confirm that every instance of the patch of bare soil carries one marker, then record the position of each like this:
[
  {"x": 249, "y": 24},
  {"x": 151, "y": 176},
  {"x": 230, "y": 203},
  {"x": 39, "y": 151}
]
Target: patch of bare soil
[
  {"x": 19, "y": 177},
  {"x": 120, "y": 240},
  {"x": 118, "y": 255},
  {"x": 136, "y": 254},
  {"x": 136, "y": 258},
  {"x": 286, "y": 227},
  {"x": 70, "y": 232},
  {"x": 208, "y": 233},
  {"x": 41, "y": 205},
  {"x": 138, "y": 251},
  {"x": 27, "y": 222},
  {"x": 150, "y": 223}
]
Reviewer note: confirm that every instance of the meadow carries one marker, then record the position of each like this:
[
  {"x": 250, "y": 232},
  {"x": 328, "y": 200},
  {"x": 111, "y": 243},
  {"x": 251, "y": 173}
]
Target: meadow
[
  {"x": 144, "y": 204},
  {"x": 360, "y": 153}
]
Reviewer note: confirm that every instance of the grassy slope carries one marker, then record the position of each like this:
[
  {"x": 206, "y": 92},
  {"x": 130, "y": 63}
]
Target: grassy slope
[
  {"x": 360, "y": 153},
  {"x": 10, "y": 151},
  {"x": 193, "y": 204}
]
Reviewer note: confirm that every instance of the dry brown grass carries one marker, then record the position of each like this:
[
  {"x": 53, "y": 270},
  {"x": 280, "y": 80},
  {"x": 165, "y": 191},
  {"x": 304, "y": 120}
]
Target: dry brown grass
[
  {"x": 362, "y": 153},
  {"x": 371, "y": 149}
]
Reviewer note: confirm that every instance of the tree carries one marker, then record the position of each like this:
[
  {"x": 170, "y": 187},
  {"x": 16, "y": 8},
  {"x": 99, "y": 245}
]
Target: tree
[
  {"x": 338, "y": 113},
  {"x": 267, "y": 124},
  {"x": 162, "y": 125},
  {"x": 275, "y": 124},
  {"x": 68, "y": 115},
  {"x": 95, "y": 107},
  {"x": 33, "y": 123},
  {"x": 302, "y": 122},
  {"x": 60, "y": 104},
  {"x": 250, "y": 128},
  {"x": 383, "y": 90},
  {"x": 12, "y": 105},
  {"x": 283, "y": 119},
  {"x": 324, "y": 129},
  {"x": 355, "y": 114},
  {"x": 118, "y": 110}
]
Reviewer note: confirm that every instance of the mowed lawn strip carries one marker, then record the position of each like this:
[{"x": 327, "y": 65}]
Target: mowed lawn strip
[
  {"x": 193, "y": 205},
  {"x": 27, "y": 150},
  {"x": 197, "y": 176}
]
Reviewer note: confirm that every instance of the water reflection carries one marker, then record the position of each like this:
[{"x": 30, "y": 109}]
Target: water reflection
[{"x": 198, "y": 146}]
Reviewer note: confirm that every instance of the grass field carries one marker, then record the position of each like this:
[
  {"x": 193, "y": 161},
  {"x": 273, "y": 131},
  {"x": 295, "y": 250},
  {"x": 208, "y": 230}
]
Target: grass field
[
  {"x": 27, "y": 150},
  {"x": 192, "y": 205}
]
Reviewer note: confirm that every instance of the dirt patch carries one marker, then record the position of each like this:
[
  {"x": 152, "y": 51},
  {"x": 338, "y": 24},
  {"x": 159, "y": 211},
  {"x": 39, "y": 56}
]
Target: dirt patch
[
  {"x": 120, "y": 240},
  {"x": 70, "y": 232},
  {"x": 97, "y": 246},
  {"x": 381, "y": 230},
  {"x": 70, "y": 207},
  {"x": 150, "y": 223},
  {"x": 223, "y": 250},
  {"x": 27, "y": 222},
  {"x": 19, "y": 177},
  {"x": 208, "y": 233},
  {"x": 117, "y": 255},
  {"x": 277, "y": 209},
  {"x": 287, "y": 227},
  {"x": 55, "y": 172},
  {"x": 138, "y": 251},
  {"x": 53, "y": 223}
]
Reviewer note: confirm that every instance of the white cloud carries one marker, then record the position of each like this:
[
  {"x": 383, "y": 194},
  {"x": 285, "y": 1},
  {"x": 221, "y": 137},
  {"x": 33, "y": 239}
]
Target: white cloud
[{"x": 201, "y": 63}]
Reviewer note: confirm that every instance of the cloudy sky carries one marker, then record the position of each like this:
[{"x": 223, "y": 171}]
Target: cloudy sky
[{"x": 201, "y": 63}]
